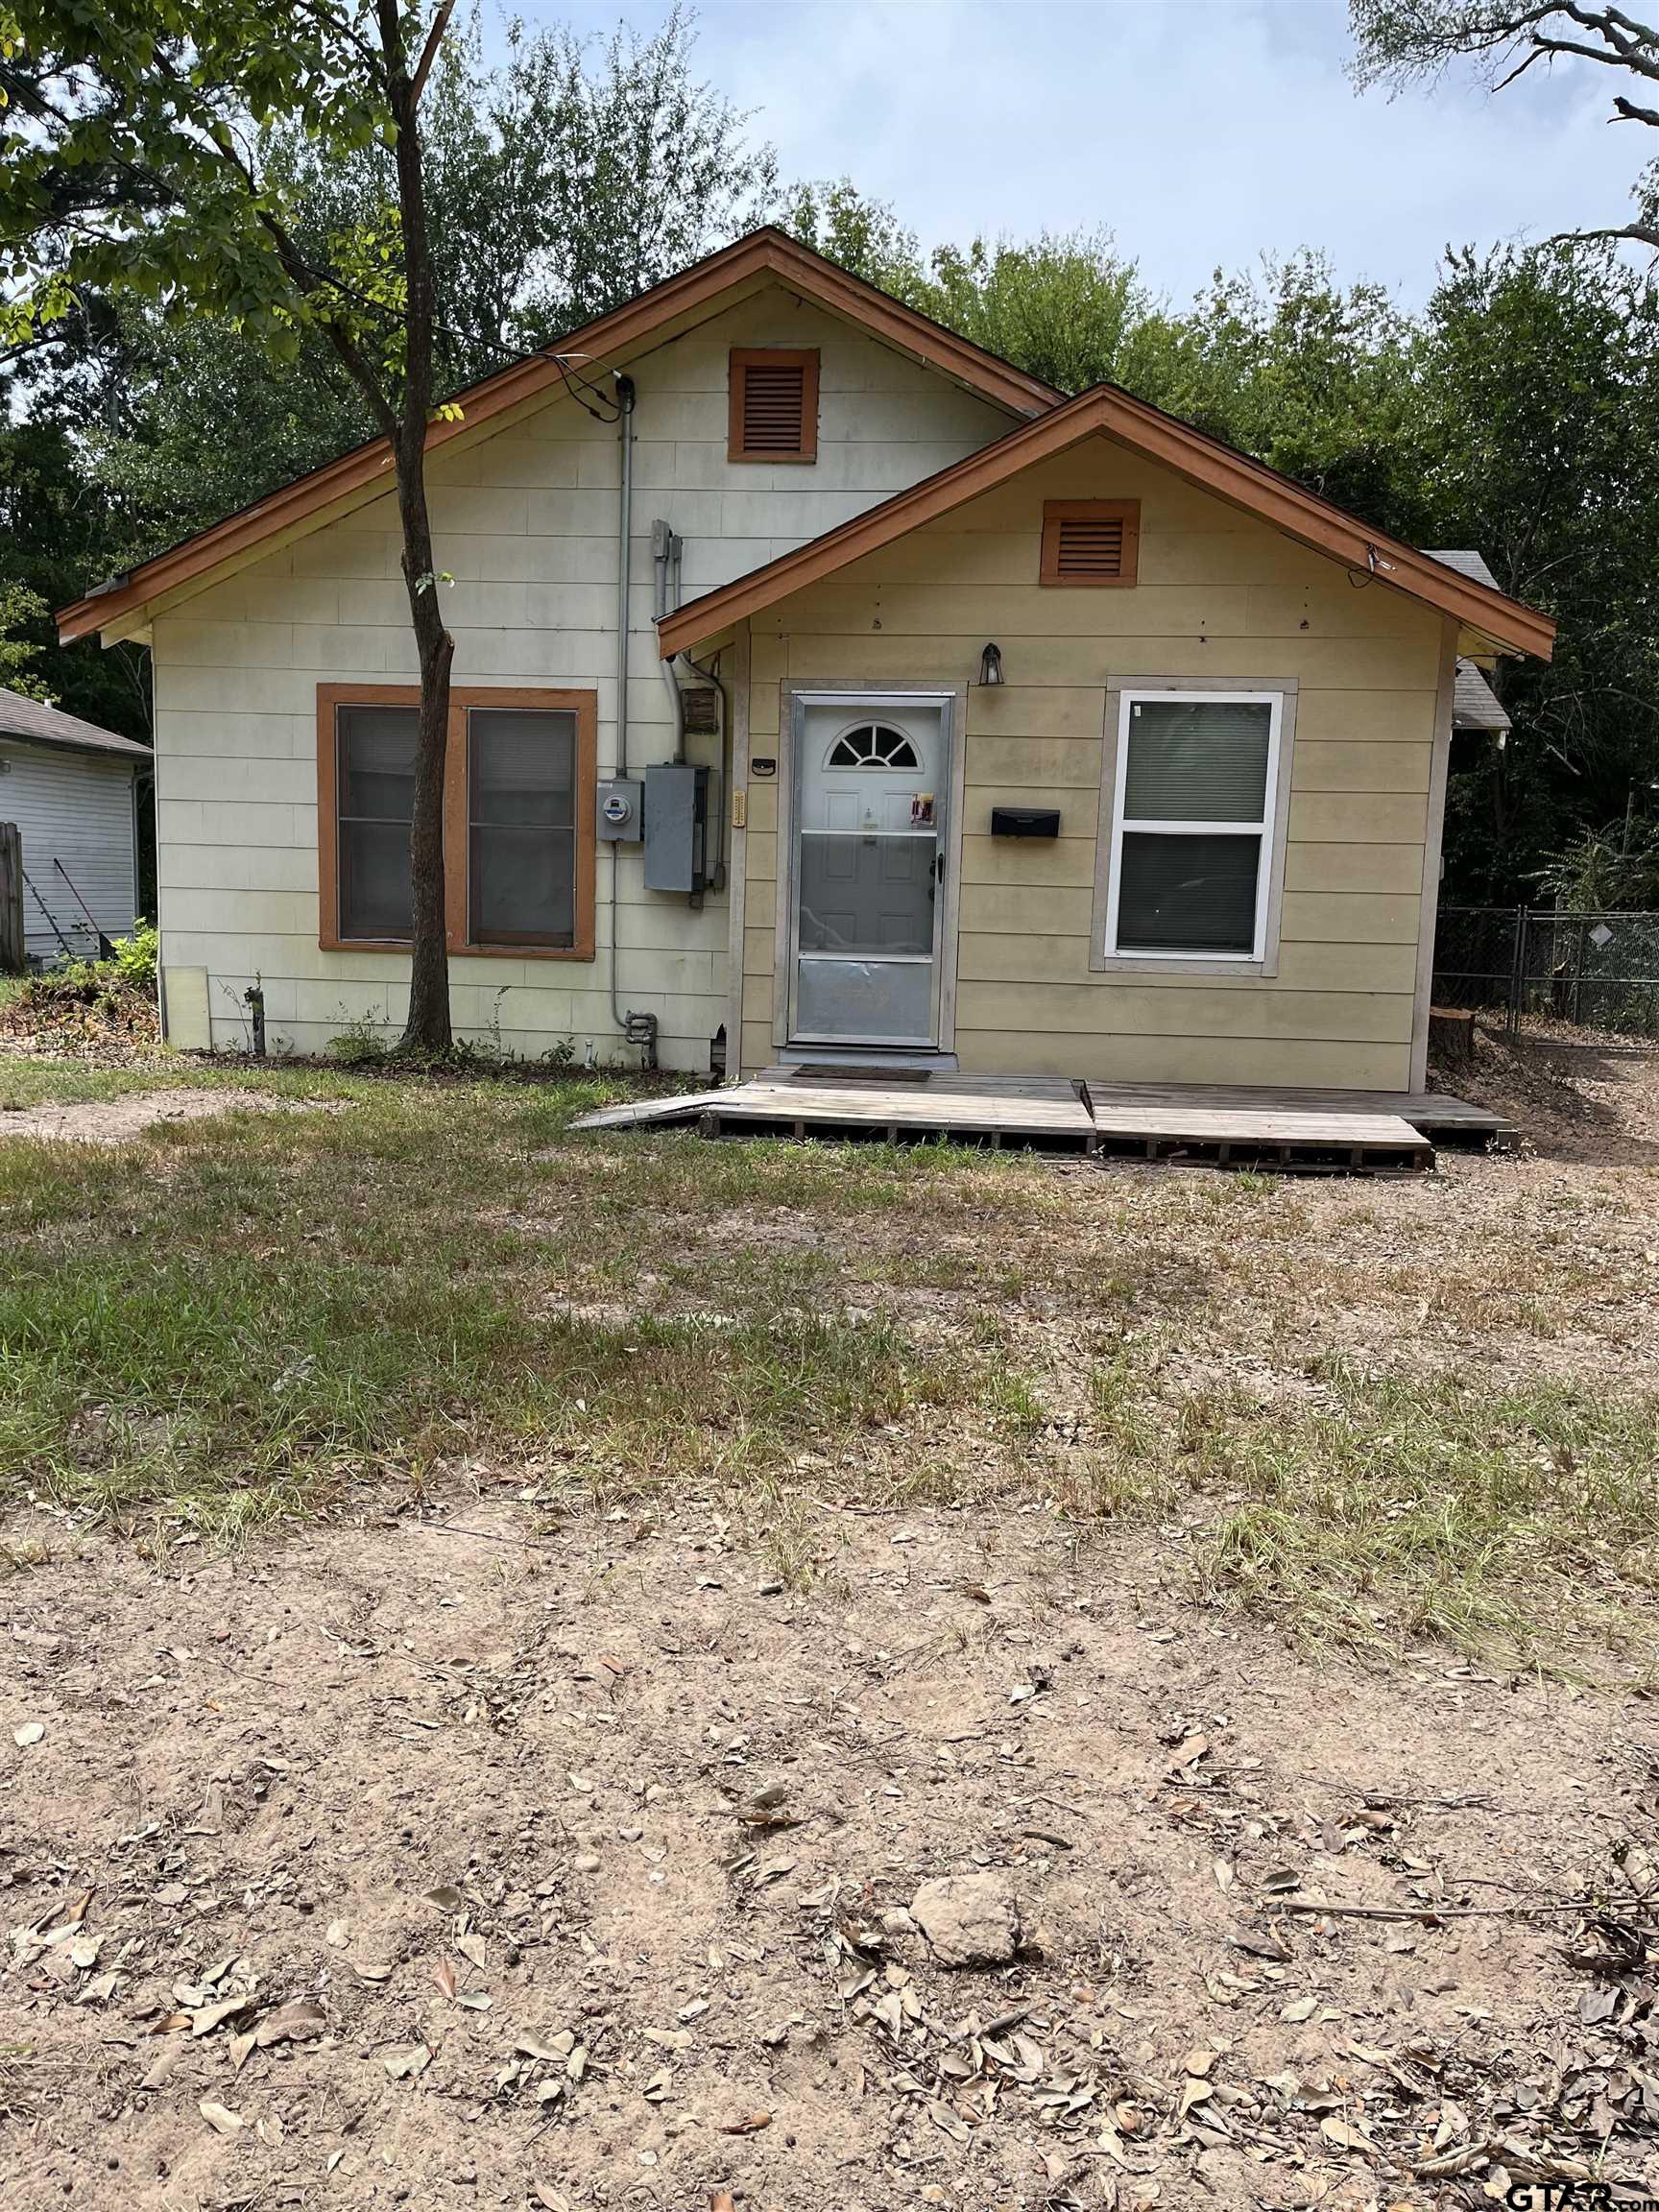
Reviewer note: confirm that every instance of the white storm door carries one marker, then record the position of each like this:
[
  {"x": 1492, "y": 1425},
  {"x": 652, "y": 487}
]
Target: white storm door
[{"x": 872, "y": 778}]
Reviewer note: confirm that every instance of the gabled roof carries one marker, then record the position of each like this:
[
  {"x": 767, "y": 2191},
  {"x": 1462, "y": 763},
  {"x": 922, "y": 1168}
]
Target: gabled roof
[
  {"x": 762, "y": 254},
  {"x": 1475, "y": 705},
  {"x": 1467, "y": 563},
  {"x": 40, "y": 725},
  {"x": 1205, "y": 461}
]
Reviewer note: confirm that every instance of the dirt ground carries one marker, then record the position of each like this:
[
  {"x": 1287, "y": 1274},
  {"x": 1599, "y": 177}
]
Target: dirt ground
[
  {"x": 117, "y": 1120},
  {"x": 462, "y": 1847},
  {"x": 429, "y": 1860}
]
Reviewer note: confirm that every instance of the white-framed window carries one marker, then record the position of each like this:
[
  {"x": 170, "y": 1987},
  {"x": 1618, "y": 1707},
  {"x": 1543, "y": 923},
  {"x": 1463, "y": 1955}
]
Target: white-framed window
[{"x": 1194, "y": 805}]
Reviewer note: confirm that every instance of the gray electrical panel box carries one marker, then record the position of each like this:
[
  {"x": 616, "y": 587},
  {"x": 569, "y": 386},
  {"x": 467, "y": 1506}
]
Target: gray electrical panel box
[
  {"x": 676, "y": 826},
  {"x": 621, "y": 810}
]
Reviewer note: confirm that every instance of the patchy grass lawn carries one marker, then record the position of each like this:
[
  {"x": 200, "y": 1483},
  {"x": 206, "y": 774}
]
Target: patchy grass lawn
[{"x": 1375, "y": 1412}]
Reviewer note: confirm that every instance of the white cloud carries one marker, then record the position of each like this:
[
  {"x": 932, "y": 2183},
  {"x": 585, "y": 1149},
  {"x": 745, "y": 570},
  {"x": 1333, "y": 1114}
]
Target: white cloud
[{"x": 1203, "y": 132}]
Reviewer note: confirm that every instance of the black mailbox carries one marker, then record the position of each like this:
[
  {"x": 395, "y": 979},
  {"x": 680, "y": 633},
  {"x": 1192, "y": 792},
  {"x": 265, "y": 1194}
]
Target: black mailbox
[{"x": 1024, "y": 821}]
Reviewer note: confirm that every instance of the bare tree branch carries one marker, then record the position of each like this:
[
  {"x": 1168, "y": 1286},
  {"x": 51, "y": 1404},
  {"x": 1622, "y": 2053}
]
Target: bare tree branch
[
  {"x": 430, "y": 52},
  {"x": 1400, "y": 41}
]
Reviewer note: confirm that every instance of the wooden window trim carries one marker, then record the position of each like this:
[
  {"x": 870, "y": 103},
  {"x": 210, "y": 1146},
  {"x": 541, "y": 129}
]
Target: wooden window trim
[
  {"x": 1056, "y": 511},
  {"x": 740, "y": 361},
  {"x": 584, "y": 705}
]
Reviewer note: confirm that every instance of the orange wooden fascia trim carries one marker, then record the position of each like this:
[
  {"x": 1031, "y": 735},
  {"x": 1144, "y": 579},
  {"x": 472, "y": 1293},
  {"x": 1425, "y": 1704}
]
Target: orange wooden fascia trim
[
  {"x": 768, "y": 252},
  {"x": 1214, "y": 467}
]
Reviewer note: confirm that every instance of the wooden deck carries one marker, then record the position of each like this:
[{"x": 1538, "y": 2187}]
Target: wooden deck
[
  {"x": 1355, "y": 1130},
  {"x": 1041, "y": 1110},
  {"x": 1435, "y": 1112}
]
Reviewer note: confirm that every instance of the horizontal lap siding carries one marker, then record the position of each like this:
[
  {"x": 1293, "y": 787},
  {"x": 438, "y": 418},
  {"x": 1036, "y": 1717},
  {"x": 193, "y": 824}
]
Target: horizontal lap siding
[
  {"x": 1220, "y": 597},
  {"x": 526, "y": 524},
  {"x": 76, "y": 808}
]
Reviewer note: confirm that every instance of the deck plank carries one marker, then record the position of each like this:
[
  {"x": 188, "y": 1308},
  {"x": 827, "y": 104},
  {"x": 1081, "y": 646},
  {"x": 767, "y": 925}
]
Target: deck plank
[{"x": 1370, "y": 1128}]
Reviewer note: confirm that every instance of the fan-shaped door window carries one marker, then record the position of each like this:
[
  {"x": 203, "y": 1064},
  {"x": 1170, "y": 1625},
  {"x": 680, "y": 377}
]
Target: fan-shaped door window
[{"x": 871, "y": 745}]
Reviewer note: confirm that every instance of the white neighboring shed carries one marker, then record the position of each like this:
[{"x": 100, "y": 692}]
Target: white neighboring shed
[{"x": 72, "y": 790}]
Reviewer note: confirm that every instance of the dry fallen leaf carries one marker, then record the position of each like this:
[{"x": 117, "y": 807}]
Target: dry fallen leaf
[
  {"x": 31, "y": 1732},
  {"x": 444, "y": 1974},
  {"x": 404, "y": 2059},
  {"x": 1346, "y": 2134},
  {"x": 557, "y": 2046},
  {"x": 1301, "y": 2008},
  {"x": 299, "y": 2021},
  {"x": 219, "y": 2117},
  {"x": 203, "y": 2019}
]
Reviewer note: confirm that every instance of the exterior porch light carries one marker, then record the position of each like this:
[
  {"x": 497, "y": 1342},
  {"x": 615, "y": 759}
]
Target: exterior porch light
[{"x": 990, "y": 664}]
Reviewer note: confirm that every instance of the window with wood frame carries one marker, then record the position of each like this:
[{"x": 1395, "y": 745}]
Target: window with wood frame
[
  {"x": 774, "y": 404},
  {"x": 518, "y": 819},
  {"x": 1094, "y": 544}
]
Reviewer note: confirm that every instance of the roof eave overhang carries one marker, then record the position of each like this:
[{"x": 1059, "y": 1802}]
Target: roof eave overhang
[
  {"x": 82, "y": 748},
  {"x": 1511, "y": 626},
  {"x": 648, "y": 320}
]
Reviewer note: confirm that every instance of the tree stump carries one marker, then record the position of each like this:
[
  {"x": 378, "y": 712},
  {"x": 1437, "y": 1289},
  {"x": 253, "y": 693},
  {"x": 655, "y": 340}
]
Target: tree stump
[{"x": 1452, "y": 1036}]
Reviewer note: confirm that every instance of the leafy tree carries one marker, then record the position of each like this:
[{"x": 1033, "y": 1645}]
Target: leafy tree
[
  {"x": 859, "y": 235},
  {"x": 1315, "y": 381},
  {"x": 1615, "y": 866},
  {"x": 1067, "y": 308},
  {"x": 59, "y": 529},
  {"x": 560, "y": 183},
  {"x": 138, "y": 167},
  {"x": 1414, "y": 41},
  {"x": 1540, "y": 390},
  {"x": 20, "y": 607}
]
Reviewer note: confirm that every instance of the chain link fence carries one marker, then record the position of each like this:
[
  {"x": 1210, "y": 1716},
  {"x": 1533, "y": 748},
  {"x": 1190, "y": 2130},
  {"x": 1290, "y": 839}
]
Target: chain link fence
[{"x": 1543, "y": 969}]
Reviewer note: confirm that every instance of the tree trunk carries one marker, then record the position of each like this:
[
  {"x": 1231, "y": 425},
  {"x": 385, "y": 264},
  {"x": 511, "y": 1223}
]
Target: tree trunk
[{"x": 427, "y": 1028}]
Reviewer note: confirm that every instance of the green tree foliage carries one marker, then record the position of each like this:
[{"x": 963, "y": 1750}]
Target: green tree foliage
[
  {"x": 864, "y": 235},
  {"x": 59, "y": 527},
  {"x": 20, "y": 612},
  {"x": 1540, "y": 374},
  {"x": 145, "y": 161},
  {"x": 561, "y": 182}
]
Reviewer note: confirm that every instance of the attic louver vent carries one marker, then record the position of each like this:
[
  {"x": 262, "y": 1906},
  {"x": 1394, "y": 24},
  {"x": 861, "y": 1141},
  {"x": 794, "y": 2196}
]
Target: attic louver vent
[
  {"x": 1091, "y": 541},
  {"x": 773, "y": 405}
]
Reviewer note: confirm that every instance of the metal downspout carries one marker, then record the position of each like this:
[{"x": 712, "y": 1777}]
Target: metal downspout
[{"x": 624, "y": 533}]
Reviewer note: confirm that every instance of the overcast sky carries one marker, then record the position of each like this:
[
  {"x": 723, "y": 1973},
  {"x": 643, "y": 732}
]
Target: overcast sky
[{"x": 1203, "y": 132}]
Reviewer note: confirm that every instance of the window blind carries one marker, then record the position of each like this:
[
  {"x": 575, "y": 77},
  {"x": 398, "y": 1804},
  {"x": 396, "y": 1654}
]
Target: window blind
[{"x": 1197, "y": 762}]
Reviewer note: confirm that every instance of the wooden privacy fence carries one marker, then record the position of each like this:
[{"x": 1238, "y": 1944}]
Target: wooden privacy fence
[{"x": 12, "y": 959}]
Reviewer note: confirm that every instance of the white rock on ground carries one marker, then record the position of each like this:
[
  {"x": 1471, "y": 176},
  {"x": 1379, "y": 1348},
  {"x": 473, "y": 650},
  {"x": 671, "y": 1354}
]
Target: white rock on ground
[{"x": 968, "y": 1919}]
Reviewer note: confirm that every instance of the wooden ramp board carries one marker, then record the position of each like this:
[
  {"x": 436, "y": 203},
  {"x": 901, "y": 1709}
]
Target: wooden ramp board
[
  {"x": 1280, "y": 1137},
  {"x": 1041, "y": 1110},
  {"x": 1434, "y": 1113},
  {"x": 636, "y": 1113},
  {"x": 1029, "y": 1113}
]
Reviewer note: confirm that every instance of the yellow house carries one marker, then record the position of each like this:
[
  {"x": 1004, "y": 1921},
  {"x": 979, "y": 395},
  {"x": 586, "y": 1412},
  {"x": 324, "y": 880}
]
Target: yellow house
[{"x": 825, "y": 688}]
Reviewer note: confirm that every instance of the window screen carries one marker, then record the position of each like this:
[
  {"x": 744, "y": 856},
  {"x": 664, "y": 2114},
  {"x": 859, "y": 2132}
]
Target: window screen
[
  {"x": 375, "y": 763},
  {"x": 521, "y": 826},
  {"x": 1193, "y": 827}
]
